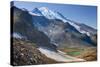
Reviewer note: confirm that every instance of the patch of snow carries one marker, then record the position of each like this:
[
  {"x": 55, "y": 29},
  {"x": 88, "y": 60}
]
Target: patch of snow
[
  {"x": 17, "y": 35},
  {"x": 85, "y": 32},
  {"x": 51, "y": 14},
  {"x": 61, "y": 52},
  {"x": 44, "y": 9},
  {"x": 53, "y": 43},
  {"x": 88, "y": 33},
  {"x": 34, "y": 14},
  {"x": 52, "y": 54},
  {"x": 78, "y": 28},
  {"x": 47, "y": 13},
  {"x": 58, "y": 56}
]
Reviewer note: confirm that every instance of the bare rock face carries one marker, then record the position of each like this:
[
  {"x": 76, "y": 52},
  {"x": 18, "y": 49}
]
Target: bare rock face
[{"x": 26, "y": 53}]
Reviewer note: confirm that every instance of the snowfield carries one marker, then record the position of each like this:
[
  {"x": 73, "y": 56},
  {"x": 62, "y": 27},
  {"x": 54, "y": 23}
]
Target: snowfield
[
  {"x": 18, "y": 36},
  {"x": 58, "y": 56}
]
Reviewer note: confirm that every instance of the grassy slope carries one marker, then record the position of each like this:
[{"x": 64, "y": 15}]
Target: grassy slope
[{"x": 88, "y": 53}]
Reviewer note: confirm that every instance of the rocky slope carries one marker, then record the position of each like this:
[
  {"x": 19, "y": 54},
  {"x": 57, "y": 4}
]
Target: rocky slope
[
  {"x": 23, "y": 25},
  {"x": 26, "y": 53}
]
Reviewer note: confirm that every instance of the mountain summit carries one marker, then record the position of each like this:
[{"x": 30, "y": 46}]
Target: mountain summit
[{"x": 49, "y": 14}]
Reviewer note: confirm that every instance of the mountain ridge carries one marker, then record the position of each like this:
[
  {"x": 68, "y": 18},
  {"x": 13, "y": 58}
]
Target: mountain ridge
[
  {"x": 57, "y": 31},
  {"x": 49, "y": 14}
]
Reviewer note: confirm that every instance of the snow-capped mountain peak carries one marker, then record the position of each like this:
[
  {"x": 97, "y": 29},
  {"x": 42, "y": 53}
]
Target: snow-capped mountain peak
[
  {"x": 79, "y": 28},
  {"x": 44, "y": 9},
  {"x": 46, "y": 12},
  {"x": 50, "y": 14},
  {"x": 36, "y": 12}
]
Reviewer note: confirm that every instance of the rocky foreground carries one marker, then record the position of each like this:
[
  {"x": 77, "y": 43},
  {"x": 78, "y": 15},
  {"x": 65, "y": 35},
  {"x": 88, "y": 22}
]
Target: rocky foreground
[{"x": 26, "y": 53}]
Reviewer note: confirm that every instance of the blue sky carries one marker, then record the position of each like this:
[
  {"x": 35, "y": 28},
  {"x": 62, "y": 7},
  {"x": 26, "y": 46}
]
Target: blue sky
[{"x": 79, "y": 13}]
